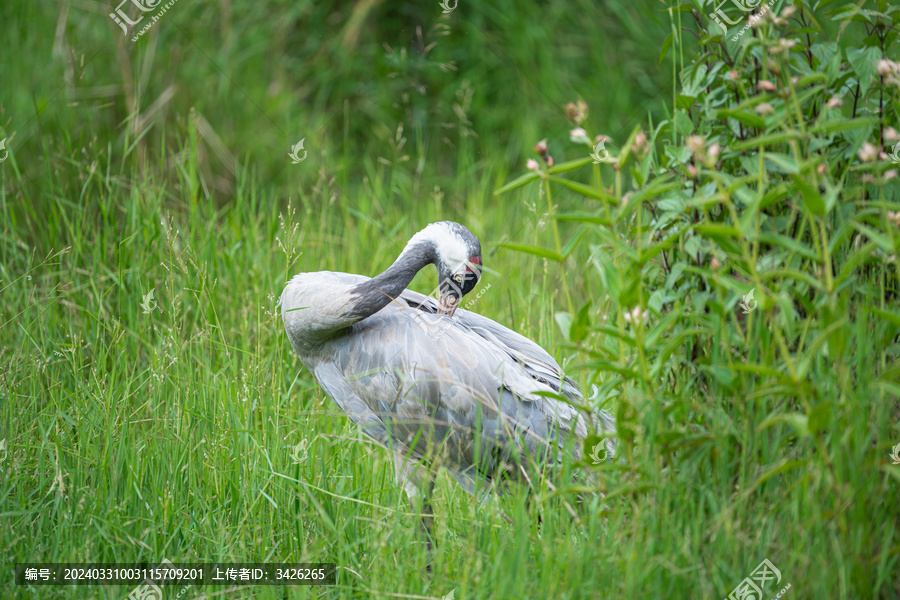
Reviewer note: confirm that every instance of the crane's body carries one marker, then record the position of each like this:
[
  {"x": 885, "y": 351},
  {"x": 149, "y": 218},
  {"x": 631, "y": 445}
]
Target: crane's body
[{"x": 434, "y": 384}]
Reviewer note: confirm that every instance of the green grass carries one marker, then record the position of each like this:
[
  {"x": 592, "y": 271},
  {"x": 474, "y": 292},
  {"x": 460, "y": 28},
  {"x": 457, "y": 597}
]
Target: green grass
[{"x": 172, "y": 432}]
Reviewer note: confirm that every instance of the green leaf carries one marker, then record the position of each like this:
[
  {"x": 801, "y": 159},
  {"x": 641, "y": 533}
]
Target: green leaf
[
  {"x": 831, "y": 334},
  {"x": 667, "y": 43},
  {"x": 864, "y": 61},
  {"x": 570, "y": 165},
  {"x": 853, "y": 261},
  {"x": 767, "y": 140},
  {"x": 888, "y": 316},
  {"x": 564, "y": 321},
  {"x": 535, "y": 250},
  {"x": 604, "y": 365},
  {"x": 586, "y": 190},
  {"x": 790, "y": 244},
  {"x": 783, "y": 467},
  {"x": 758, "y": 369},
  {"x": 806, "y": 278},
  {"x": 678, "y": 154},
  {"x": 683, "y": 123},
  {"x": 811, "y": 78},
  {"x": 722, "y": 374},
  {"x": 685, "y": 102},
  {"x": 581, "y": 325},
  {"x": 893, "y": 471},
  {"x": 825, "y": 52},
  {"x": 629, "y": 489},
  {"x": 647, "y": 254},
  {"x": 613, "y": 332},
  {"x": 843, "y": 125},
  {"x": 820, "y": 418},
  {"x": 810, "y": 195},
  {"x": 743, "y": 116},
  {"x": 787, "y": 164},
  {"x": 517, "y": 183},
  {"x": 579, "y": 217},
  {"x": 799, "y": 422},
  {"x": 609, "y": 276},
  {"x": 722, "y": 235},
  {"x": 876, "y": 236},
  {"x": 776, "y": 194},
  {"x": 625, "y": 153},
  {"x": 674, "y": 343},
  {"x": 661, "y": 326},
  {"x": 573, "y": 242}
]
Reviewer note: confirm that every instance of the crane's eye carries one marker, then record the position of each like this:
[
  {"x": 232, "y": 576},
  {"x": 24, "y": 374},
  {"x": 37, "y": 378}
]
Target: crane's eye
[{"x": 457, "y": 278}]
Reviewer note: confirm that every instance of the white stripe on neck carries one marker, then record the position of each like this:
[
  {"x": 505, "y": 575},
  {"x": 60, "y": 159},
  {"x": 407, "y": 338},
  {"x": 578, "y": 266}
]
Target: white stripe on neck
[{"x": 451, "y": 249}]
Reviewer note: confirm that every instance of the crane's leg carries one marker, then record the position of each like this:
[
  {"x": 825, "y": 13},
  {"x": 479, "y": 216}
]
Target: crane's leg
[
  {"x": 428, "y": 516},
  {"x": 418, "y": 483}
]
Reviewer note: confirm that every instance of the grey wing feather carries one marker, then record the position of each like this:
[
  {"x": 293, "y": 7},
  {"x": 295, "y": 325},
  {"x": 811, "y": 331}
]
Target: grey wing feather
[
  {"x": 533, "y": 359},
  {"x": 468, "y": 394},
  {"x": 352, "y": 405},
  {"x": 531, "y": 356}
]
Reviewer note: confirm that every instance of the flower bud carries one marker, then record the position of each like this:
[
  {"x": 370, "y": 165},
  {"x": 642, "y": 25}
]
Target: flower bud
[
  {"x": 695, "y": 144},
  {"x": 639, "y": 140},
  {"x": 576, "y": 112},
  {"x": 579, "y": 136},
  {"x": 868, "y": 153}
]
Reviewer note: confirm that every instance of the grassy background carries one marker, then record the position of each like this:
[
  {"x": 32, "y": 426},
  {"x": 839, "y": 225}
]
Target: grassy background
[{"x": 162, "y": 165}]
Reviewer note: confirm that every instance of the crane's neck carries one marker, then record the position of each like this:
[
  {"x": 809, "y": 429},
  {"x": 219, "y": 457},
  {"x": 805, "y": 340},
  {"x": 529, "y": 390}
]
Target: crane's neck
[
  {"x": 371, "y": 296},
  {"x": 318, "y": 307}
]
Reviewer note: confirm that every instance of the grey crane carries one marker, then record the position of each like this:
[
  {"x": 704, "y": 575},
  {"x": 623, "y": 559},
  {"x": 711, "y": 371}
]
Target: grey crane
[{"x": 436, "y": 385}]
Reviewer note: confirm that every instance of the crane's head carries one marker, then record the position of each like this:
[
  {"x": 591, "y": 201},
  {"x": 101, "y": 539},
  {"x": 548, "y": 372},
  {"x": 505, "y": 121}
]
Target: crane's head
[{"x": 457, "y": 255}]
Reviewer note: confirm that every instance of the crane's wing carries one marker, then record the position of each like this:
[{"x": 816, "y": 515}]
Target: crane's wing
[
  {"x": 534, "y": 359},
  {"x": 462, "y": 390}
]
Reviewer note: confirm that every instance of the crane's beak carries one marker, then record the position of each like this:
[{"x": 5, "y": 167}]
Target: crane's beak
[{"x": 447, "y": 304}]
